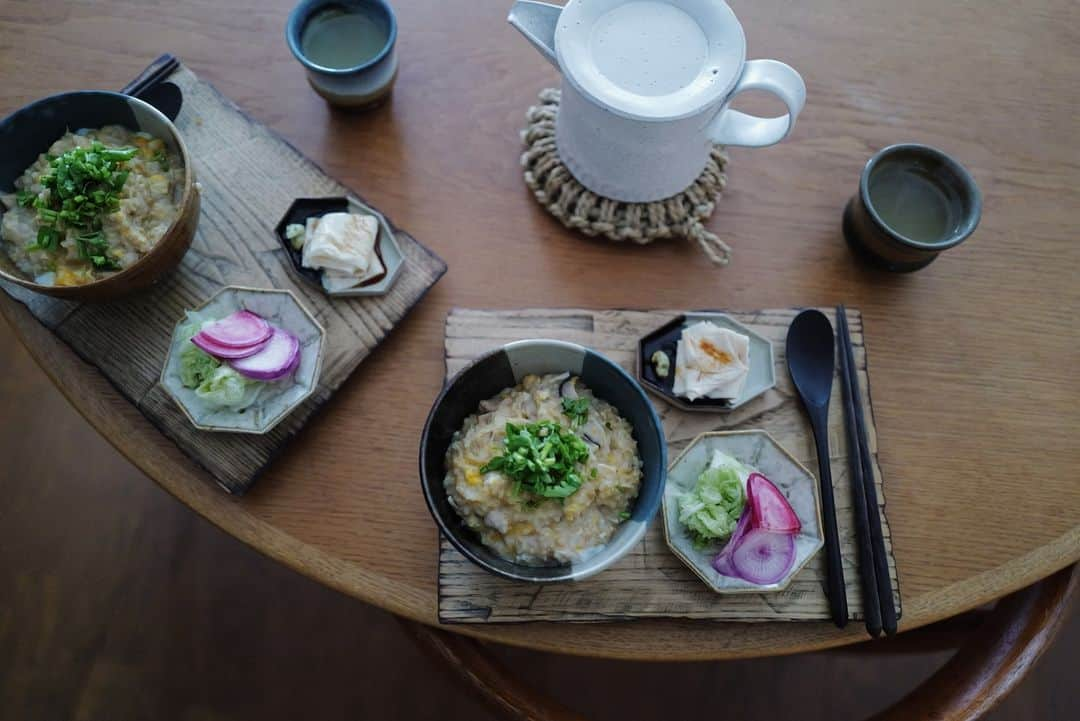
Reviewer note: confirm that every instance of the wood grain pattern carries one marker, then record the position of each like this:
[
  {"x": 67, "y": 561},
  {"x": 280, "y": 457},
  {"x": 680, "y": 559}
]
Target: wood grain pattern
[
  {"x": 650, "y": 581},
  {"x": 976, "y": 358},
  {"x": 235, "y": 245}
]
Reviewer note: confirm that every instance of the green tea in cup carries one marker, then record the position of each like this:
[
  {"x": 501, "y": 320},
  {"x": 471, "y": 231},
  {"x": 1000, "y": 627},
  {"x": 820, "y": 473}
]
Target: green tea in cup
[
  {"x": 347, "y": 47},
  {"x": 337, "y": 37},
  {"x": 914, "y": 201}
]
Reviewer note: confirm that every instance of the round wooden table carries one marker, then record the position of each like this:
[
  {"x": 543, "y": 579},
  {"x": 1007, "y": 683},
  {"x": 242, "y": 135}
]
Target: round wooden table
[{"x": 975, "y": 359}]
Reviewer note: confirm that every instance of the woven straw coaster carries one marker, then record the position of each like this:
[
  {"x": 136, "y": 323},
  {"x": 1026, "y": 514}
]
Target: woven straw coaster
[{"x": 680, "y": 216}]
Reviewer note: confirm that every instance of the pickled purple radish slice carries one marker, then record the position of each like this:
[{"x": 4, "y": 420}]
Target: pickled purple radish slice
[
  {"x": 764, "y": 557},
  {"x": 225, "y": 352},
  {"x": 277, "y": 359},
  {"x": 722, "y": 562},
  {"x": 771, "y": 509},
  {"x": 241, "y": 329},
  {"x": 723, "y": 565}
]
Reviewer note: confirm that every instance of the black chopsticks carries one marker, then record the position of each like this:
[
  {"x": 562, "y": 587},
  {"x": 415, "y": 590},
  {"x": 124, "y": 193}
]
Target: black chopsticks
[
  {"x": 878, "y": 606},
  {"x": 162, "y": 67}
]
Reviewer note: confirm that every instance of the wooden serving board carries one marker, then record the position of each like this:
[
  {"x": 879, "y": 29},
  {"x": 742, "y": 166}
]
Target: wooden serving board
[
  {"x": 650, "y": 581},
  {"x": 249, "y": 177}
]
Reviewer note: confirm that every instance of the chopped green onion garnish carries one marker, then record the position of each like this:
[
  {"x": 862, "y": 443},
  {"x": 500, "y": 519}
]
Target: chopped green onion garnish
[
  {"x": 82, "y": 187},
  {"x": 541, "y": 458},
  {"x": 162, "y": 159},
  {"x": 577, "y": 410},
  {"x": 47, "y": 238},
  {"x": 118, "y": 153}
]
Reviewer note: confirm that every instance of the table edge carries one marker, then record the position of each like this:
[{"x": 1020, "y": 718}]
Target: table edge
[{"x": 200, "y": 495}]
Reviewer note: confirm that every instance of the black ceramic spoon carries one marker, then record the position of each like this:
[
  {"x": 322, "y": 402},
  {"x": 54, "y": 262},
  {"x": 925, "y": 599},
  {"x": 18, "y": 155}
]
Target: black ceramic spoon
[
  {"x": 166, "y": 97},
  {"x": 811, "y": 361},
  {"x": 150, "y": 85}
]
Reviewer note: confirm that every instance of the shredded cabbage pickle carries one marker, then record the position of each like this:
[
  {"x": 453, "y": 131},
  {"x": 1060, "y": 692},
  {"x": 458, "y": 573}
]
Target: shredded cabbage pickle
[
  {"x": 712, "y": 508},
  {"x": 196, "y": 366},
  {"x": 217, "y": 385},
  {"x": 227, "y": 388}
]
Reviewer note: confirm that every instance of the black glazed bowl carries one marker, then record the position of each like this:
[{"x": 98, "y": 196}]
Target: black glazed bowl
[
  {"x": 504, "y": 368},
  {"x": 31, "y": 130}
]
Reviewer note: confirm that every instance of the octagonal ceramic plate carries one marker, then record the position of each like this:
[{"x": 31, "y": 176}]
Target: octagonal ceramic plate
[
  {"x": 386, "y": 245},
  {"x": 279, "y": 307},
  {"x": 761, "y": 452},
  {"x": 665, "y": 338}
]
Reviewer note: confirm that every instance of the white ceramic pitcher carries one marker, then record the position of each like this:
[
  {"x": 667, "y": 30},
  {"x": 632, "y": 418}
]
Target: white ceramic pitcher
[{"x": 646, "y": 89}]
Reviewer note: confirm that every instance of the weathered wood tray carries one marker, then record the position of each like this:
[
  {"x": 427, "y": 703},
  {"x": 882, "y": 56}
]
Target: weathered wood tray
[
  {"x": 249, "y": 177},
  {"x": 650, "y": 582}
]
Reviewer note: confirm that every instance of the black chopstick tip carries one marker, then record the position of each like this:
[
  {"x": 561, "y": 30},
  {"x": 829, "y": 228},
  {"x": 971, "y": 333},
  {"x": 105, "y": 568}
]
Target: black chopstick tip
[
  {"x": 889, "y": 623},
  {"x": 156, "y": 72}
]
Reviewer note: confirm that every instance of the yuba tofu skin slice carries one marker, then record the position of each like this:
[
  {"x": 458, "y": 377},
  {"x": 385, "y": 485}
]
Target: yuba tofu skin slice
[
  {"x": 277, "y": 359},
  {"x": 771, "y": 509},
  {"x": 342, "y": 242},
  {"x": 310, "y": 226},
  {"x": 334, "y": 281},
  {"x": 241, "y": 329},
  {"x": 711, "y": 362},
  {"x": 374, "y": 268}
]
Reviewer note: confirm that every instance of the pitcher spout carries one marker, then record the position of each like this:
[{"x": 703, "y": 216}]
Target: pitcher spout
[{"x": 537, "y": 22}]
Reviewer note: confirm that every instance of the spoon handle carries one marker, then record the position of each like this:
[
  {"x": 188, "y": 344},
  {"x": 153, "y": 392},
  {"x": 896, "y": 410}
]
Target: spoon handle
[{"x": 835, "y": 587}]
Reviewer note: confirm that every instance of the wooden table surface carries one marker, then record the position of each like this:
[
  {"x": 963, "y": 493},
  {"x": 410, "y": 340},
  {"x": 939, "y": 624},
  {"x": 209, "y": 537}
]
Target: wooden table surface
[{"x": 975, "y": 360}]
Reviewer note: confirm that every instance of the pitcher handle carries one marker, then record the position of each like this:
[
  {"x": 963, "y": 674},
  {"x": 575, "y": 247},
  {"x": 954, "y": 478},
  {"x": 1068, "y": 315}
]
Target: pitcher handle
[{"x": 730, "y": 127}]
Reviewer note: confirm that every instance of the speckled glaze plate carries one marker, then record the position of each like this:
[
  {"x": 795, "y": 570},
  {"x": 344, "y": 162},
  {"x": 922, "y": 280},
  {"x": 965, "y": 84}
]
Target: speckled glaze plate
[
  {"x": 761, "y": 452},
  {"x": 386, "y": 246},
  {"x": 666, "y": 338},
  {"x": 279, "y": 307}
]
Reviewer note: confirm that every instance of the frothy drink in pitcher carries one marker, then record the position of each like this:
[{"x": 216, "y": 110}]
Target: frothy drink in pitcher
[{"x": 649, "y": 48}]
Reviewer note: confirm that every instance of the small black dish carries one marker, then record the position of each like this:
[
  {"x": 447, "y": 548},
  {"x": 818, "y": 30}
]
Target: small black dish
[
  {"x": 666, "y": 338},
  {"x": 386, "y": 246}
]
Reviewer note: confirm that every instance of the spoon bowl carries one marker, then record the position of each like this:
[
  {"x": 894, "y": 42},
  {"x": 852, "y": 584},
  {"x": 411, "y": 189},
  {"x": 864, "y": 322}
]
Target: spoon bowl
[
  {"x": 166, "y": 97},
  {"x": 810, "y": 357}
]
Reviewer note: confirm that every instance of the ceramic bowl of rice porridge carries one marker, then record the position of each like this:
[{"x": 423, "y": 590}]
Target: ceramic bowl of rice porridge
[
  {"x": 97, "y": 195},
  {"x": 543, "y": 461}
]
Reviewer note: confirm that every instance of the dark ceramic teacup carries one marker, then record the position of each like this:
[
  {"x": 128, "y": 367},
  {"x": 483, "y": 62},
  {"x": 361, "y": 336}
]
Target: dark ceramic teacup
[
  {"x": 914, "y": 201},
  {"x": 347, "y": 47}
]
